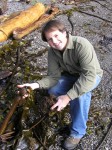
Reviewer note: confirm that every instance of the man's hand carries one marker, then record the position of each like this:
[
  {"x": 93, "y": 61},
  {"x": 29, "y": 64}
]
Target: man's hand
[
  {"x": 62, "y": 102},
  {"x": 33, "y": 86}
]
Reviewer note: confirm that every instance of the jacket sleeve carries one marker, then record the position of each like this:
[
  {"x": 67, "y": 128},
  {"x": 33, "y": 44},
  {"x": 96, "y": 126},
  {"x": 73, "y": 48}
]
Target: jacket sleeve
[
  {"x": 86, "y": 58},
  {"x": 54, "y": 71}
]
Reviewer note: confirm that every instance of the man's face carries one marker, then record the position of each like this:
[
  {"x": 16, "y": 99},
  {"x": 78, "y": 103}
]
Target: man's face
[{"x": 56, "y": 39}]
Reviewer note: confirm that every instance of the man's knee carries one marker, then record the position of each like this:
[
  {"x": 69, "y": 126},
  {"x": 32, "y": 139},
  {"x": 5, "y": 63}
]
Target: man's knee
[{"x": 53, "y": 91}]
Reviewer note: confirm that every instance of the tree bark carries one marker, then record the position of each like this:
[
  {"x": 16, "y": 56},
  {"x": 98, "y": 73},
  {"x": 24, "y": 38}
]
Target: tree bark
[
  {"x": 25, "y": 18},
  {"x": 21, "y": 32}
]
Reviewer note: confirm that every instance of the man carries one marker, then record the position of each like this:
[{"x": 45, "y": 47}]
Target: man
[{"x": 73, "y": 72}]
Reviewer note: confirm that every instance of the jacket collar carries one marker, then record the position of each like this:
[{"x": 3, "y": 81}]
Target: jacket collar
[{"x": 70, "y": 42}]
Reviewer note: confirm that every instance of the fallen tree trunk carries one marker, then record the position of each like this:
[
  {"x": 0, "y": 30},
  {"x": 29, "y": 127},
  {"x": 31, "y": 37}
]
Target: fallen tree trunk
[
  {"x": 21, "y": 32},
  {"x": 4, "y": 18},
  {"x": 21, "y": 21}
]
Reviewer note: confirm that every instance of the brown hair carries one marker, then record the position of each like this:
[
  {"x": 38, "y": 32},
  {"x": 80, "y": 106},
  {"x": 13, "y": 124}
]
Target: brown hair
[{"x": 50, "y": 26}]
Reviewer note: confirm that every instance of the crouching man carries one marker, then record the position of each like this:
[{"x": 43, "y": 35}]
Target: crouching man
[{"x": 73, "y": 72}]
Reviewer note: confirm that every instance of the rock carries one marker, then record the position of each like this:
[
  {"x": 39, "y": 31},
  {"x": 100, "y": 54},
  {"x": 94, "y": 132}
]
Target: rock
[
  {"x": 4, "y": 74},
  {"x": 3, "y": 6}
]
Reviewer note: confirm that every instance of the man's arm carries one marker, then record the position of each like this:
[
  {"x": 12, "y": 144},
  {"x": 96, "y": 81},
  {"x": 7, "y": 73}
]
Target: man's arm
[
  {"x": 87, "y": 60},
  {"x": 54, "y": 71}
]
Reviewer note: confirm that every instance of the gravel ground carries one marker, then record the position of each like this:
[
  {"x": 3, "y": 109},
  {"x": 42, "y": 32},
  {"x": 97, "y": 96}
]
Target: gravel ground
[{"x": 99, "y": 33}]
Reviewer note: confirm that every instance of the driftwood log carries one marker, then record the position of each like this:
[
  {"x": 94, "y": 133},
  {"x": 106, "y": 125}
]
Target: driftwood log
[
  {"x": 50, "y": 13},
  {"x": 4, "y": 18},
  {"x": 22, "y": 20}
]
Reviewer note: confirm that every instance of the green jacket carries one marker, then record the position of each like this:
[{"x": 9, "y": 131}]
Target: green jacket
[{"x": 78, "y": 59}]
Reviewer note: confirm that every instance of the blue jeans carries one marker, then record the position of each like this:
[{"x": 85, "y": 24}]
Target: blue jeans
[{"x": 79, "y": 107}]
